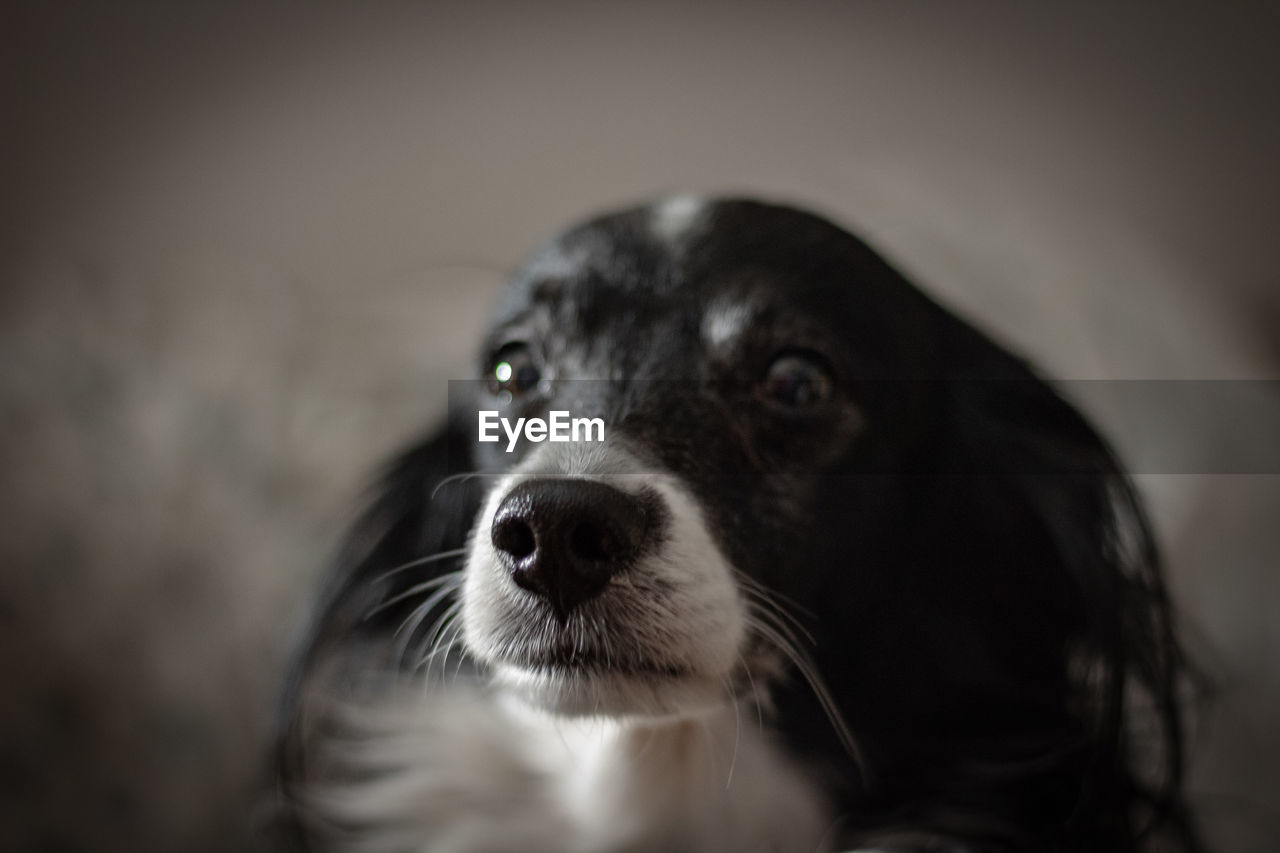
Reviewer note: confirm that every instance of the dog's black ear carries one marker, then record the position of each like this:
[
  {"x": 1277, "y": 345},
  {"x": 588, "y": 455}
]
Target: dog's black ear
[
  {"x": 407, "y": 543},
  {"x": 1036, "y": 472}
]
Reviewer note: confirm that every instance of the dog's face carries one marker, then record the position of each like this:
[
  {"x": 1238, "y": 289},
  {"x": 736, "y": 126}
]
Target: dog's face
[{"x": 732, "y": 351}]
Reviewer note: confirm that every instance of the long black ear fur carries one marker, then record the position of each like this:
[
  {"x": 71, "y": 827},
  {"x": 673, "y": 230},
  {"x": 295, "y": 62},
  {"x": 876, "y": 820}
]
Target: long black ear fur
[
  {"x": 1126, "y": 676},
  {"x": 1006, "y": 649}
]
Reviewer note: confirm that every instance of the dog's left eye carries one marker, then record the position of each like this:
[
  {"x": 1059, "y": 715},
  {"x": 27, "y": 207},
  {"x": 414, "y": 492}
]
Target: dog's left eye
[
  {"x": 797, "y": 380},
  {"x": 513, "y": 369}
]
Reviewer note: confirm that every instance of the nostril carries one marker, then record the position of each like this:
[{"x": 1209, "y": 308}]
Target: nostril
[
  {"x": 594, "y": 543},
  {"x": 515, "y": 537}
]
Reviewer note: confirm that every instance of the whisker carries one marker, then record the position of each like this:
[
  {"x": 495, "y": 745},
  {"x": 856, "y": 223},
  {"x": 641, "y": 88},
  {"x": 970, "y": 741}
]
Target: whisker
[
  {"x": 454, "y": 578},
  {"x": 755, "y": 695},
  {"x": 423, "y": 609},
  {"x": 441, "y": 649},
  {"x": 419, "y": 615},
  {"x": 737, "y": 730},
  {"x": 421, "y": 561},
  {"x": 453, "y": 642},
  {"x": 772, "y": 619},
  {"x": 810, "y": 674},
  {"x": 459, "y": 478},
  {"x": 773, "y": 601},
  {"x": 772, "y": 593},
  {"x": 781, "y": 620},
  {"x": 438, "y": 640}
]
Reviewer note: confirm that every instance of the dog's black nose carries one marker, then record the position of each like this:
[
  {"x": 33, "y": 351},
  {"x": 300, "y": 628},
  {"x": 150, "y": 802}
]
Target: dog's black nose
[{"x": 564, "y": 539}]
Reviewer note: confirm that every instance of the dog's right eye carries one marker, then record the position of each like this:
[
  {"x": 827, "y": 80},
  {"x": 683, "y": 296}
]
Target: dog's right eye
[
  {"x": 797, "y": 380},
  {"x": 514, "y": 370}
]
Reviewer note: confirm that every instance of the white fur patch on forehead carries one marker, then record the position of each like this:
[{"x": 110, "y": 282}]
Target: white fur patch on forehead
[
  {"x": 725, "y": 321},
  {"x": 673, "y": 218}
]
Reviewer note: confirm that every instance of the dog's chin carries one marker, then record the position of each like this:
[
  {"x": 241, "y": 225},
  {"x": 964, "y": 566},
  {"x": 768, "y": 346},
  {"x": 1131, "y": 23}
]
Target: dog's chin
[{"x": 584, "y": 691}]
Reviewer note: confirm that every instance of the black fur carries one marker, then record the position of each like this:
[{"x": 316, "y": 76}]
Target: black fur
[{"x": 987, "y": 602}]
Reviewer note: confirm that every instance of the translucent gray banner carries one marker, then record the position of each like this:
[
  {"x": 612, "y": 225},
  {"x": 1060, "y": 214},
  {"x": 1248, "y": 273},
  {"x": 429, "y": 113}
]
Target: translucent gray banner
[{"x": 1155, "y": 426}]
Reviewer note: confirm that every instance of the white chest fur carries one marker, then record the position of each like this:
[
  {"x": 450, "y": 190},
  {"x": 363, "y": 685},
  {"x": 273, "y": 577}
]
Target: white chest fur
[{"x": 460, "y": 773}]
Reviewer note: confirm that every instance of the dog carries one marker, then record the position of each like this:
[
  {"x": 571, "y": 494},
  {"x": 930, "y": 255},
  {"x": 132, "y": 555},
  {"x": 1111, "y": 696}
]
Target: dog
[{"x": 838, "y": 571}]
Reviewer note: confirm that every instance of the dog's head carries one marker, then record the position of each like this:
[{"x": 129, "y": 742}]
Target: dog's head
[
  {"x": 719, "y": 347},
  {"x": 811, "y": 486}
]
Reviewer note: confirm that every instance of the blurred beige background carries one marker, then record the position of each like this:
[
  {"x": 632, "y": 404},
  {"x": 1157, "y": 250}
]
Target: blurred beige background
[{"x": 241, "y": 251}]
